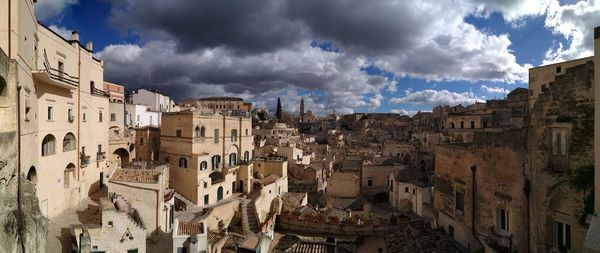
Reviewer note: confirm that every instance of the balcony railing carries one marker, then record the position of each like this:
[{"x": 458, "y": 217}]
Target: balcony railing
[
  {"x": 558, "y": 162},
  {"x": 56, "y": 76},
  {"x": 100, "y": 156},
  {"x": 500, "y": 240}
]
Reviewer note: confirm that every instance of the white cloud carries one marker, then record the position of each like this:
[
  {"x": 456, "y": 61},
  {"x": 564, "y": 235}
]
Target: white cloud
[
  {"x": 62, "y": 31},
  {"x": 47, "y": 10},
  {"x": 436, "y": 97},
  {"x": 489, "y": 89},
  {"x": 403, "y": 112}
]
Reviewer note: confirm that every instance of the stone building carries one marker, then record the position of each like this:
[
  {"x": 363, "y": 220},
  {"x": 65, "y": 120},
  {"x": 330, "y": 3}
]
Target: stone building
[
  {"x": 411, "y": 192},
  {"x": 122, "y": 229},
  {"x": 220, "y": 104},
  {"x": 145, "y": 186},
  {"x": 154, "y": 100},
  {"x": 141, "y": 116},
  {"x": 205, "y": 152},
  {"x": 479, "y": 191},
  {"x": 562, "y": 123},
  {"x": 374, "y": 181},
  {"x": 147, "y": 143},
  {"x": 116, "y": 93},
  {"x": 121, "y": 138},
  {"x": 190, "y": 237}
]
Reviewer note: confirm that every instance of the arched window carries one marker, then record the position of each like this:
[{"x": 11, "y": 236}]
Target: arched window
[
  {"x": 232, "y": 159},
  {"x": 202, "y": 132},
  {"x": 182, "y": 162},
  {"x": 48, "y": 145},
  {"x": 203, "y": 165},
  {"x": 69, "y": 142},
  {"x": 234, "y": 135},
  {"x": 3, "y": 89},
  {"x": 197, "y": 132}
]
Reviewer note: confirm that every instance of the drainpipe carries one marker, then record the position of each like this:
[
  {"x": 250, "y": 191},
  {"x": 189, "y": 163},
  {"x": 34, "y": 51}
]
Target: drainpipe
[
  {"x": 79, "y": 115},
  {"x": 473, "y": 189},
  {"x": 9, "y": 31}
]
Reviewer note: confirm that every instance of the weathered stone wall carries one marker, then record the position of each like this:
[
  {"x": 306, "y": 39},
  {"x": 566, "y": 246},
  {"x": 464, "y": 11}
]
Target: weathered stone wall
[
  {"x": 24, "y": 228},
  {"x": 568, "y": 104}
]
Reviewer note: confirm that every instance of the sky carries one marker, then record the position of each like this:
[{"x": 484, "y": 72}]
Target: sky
[{"x": 349, "y": 56}]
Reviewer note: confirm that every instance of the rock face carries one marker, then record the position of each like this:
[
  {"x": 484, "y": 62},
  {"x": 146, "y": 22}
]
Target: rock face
[{"x": 22, "y": 226}]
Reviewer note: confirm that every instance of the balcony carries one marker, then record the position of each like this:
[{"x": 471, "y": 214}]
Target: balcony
[
  {"x": 100, "y": 156},
  {"x": 500, "y": 240},
  {"x": 85, "y": 160},
  {"x": 55, "y": 76},
  {"x": 558, "y": 162}
]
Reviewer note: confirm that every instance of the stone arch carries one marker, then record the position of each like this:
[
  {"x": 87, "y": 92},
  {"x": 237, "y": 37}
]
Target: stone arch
[
  {"x": 123, "y": 155},
  {"x": 3, "y": 89},
  {"x": 69, "y": 174},
  {"x": 69, "y": 142},
  {"x": 32, "y": 175}
]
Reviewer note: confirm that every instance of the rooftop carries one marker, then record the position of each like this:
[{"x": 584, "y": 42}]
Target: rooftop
[
  {"x": 221, "y": 99},
  {"x": 143, "y": 176},
  {"x": 190, "y": 228}
]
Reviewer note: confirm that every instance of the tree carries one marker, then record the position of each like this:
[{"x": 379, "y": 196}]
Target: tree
[{"x": 278, "y": 113}]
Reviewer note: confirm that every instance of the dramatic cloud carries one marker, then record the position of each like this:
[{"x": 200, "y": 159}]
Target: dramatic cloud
[
  {"x": 576, "y": 23},
  {"x": 494, "y": 89},
  {"x": 46, "y": 10},
  {"x": 204, "y": 48},
  {"x": 436, "y": 97}
]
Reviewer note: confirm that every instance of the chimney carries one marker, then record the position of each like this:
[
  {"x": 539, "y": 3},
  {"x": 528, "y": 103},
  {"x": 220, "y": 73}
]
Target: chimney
[
  {"x": 90, "y": 46},
  {"x": 75, "y": 35}
]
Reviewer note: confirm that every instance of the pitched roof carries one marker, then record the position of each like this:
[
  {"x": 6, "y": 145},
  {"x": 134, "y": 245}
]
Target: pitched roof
[
  {"x": 136, "y": 176},
  {"x": 190, "y": 228}
]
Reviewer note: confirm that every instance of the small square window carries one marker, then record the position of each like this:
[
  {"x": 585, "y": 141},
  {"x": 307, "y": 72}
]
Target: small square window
[
  {"x": 178, "y": 132},
  {"x": 558, "y": 69},
  {"x": 110, "y": 224}
]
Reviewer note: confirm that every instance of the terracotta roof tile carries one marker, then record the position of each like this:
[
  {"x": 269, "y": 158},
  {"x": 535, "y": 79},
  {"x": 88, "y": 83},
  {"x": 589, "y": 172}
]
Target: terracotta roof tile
[{"x": 190, "y": 228}]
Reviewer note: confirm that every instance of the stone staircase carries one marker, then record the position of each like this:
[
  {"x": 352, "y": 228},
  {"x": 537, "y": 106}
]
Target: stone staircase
[{"x": 249, "y": 219}]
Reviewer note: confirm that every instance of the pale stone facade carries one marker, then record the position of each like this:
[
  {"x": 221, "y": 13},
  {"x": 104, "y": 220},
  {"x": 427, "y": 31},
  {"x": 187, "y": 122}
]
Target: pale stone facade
[
  {"x": 204, "y": 152},
  {"x": 221, "y": 104}
]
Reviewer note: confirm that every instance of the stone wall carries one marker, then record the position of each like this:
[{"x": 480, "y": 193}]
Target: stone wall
[{"x": 565, "y": 105}]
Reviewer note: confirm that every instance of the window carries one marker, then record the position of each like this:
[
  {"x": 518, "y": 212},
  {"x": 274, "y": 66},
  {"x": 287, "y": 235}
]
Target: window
[
  {"x": 100, "y": 116},
  {"x": 246, "y": 156},
  {"x": 206, "y": 199},
  {"x": 141, "y": 141},
  {"x": 452, "y": 125},
  {"x": 462, "y": 124},
  {"x": 181, "y": 250},
  {"x": 370, "y": 182},
  {"x": 246, "y": 131},
  {"x": 50, "y": 113},
  {"x": 559, "y": 141},
  {"x": 216, "y": 136},
  {"x": 70, "y": 116},
  {"x": 460, "y": 201},
  {"x": 83, "y": 118},
  {"x": 414, "y": 191},
  {"x": 150, "y": 120},
  {"x": 197, "y": 132},
  {"x": 178, "y": 132},
  {"x": 406, "y": 189},
  {"x": 451, "y": 231},
  {"x": 202, "y": 132},
  {"x": 472, "y": 124},
  {"x": 99, "y": 148},
  {"x": 215, "y": 160},
  {"x": 69, "y": 142},
  {"x": 138, "y": 118},
  {"x": 502, "y": 219},
  {"x": 232, "y": 159},
  {"x": 110, "y": 224},
  {"x": 48, "y": 144},
  {"x": 113, "y": 117},
  {"x": 558, "y": 69},
  {"x": 61, "y": 68},
  {"x": 203, "y": 165},
  {"x": 234, "y": 135},
  {"x": 562, "y": 236},
  {"x": 182, "y": 162}
]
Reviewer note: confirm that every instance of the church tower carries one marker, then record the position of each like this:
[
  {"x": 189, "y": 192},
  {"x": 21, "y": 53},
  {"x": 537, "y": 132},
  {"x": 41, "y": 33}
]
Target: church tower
[{"x": 302, "y": 109}]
